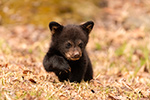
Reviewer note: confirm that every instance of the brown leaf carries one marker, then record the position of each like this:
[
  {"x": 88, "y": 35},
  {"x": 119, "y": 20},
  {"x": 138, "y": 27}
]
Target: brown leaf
[
  {"x": 6, "y": 65},
  {"x": 112, "y": 97},
  {"x": 146, "y": 69},
  {"x": 32, "y": 80},
  {"x": 42, "y": 77},
  {"x": 63, "y": 97},
  {"x": 16, "y": 80},
  {"x": 119, "y": 74},
  {"x": 27, "y": 71}
]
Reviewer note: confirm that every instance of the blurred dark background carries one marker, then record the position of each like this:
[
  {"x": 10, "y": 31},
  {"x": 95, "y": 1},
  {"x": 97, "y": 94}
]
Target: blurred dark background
[
  {"x": 106, "y": 13},
  {"x": 40, "y": 12}
]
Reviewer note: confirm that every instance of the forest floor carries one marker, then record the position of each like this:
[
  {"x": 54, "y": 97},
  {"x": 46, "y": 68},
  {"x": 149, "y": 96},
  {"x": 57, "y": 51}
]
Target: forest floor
[{"x": 118, "y": 48}]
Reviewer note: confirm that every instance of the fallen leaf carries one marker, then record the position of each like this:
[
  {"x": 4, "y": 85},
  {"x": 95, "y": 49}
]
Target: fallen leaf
[
  {"x": 32, "y": 80},
  {"x": 27, "y": 71},
  {"x": 113, "y": 97}
]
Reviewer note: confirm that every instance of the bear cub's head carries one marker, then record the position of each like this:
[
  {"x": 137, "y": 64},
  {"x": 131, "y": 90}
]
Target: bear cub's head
[{"x": 70, "y": 40}]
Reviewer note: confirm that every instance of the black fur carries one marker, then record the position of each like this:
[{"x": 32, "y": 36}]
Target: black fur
[{"x": 67, "y": 56}]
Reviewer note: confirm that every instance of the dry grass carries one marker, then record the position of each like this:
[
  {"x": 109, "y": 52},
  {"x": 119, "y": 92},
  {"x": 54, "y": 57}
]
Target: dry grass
[
  {"x": 120, "y": 56},
  {"x": 120, "y": 62}
]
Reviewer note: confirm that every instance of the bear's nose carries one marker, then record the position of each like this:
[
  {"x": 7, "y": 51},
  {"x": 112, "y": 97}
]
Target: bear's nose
[{"x": 76, "y": 55}]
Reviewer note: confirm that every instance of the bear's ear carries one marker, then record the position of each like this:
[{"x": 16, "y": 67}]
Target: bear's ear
[
  {"x": 55, "y": 27},
  {"x": 88, "y": 26}
]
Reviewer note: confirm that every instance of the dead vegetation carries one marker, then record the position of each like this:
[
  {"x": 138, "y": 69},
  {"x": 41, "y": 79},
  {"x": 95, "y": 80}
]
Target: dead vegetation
[{"x": 118, "y": 47}]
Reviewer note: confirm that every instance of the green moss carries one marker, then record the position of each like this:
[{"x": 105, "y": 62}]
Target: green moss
[
  {"x": 41, "y": 12},
  {"x": 98, "y": 46}
]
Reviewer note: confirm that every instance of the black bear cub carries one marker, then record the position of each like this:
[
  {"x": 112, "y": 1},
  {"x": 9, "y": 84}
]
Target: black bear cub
[{"x": 67, "y": 56}]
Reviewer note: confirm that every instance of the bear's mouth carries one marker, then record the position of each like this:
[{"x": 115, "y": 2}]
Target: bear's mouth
[{"x": 72, "y": 57}]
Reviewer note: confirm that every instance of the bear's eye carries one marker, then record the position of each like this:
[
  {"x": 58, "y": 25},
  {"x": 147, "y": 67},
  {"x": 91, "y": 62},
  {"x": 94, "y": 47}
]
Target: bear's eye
[
  {"x": 68, "y": 45},
  {"x": 80, "y": 45}
]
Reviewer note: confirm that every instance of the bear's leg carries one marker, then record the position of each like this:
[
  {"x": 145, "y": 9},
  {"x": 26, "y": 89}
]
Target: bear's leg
[
  {"x": 89, "y": 73},
  {"x": 62, "y": 76},
  {"x": 76, "y": 75},
  {"x": 55, "y": 64}
]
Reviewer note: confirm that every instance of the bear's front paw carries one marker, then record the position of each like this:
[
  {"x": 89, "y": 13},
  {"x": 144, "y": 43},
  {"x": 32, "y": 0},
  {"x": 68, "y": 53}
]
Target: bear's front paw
[{"x": 65, "y": 68}]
